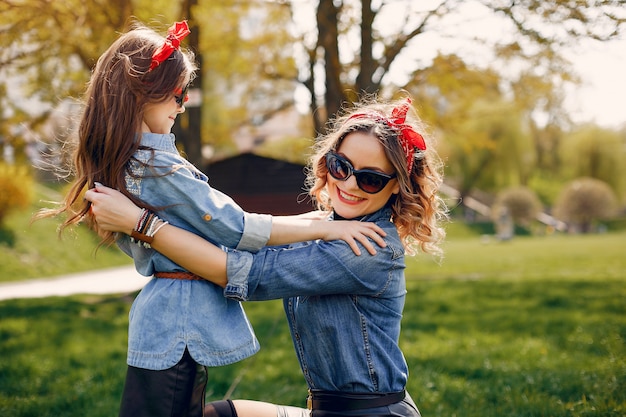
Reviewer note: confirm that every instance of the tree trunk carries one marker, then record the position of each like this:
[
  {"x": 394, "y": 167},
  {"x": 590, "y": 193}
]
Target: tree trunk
[
  {"x": 364, "y": 81},
  {"x": 328, "y": 34},
  {"x": 189, "y": 127}
]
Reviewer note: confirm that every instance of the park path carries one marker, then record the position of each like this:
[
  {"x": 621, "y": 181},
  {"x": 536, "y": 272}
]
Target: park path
[{"x": 106, "y": 281}]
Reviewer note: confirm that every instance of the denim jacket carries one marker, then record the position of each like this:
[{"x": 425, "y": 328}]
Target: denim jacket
[
  {"x": 344, "y": 311},
  {"x": 170, "y": 315}
]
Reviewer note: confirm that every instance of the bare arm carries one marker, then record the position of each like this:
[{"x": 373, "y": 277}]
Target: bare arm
[
  {"x": 287, "y": 229},
  {"x": 193, "y": 253},
  {"x": 115, "y": 212}
]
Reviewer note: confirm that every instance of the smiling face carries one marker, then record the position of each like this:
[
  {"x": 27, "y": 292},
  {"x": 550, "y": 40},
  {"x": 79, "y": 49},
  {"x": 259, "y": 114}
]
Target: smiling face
[
  {"x": 363, "y": 151},
  {"x": 160, "y": 117}
]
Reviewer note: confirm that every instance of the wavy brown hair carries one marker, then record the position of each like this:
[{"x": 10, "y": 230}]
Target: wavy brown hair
[
  {"x": 417, "y": 208},
  {"x": 109, "y": 132}
]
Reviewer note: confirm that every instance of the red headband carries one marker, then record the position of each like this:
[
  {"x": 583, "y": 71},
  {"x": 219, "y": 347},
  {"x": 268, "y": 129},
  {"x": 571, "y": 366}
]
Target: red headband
[
  {"x": 176, "y": 33},
  {"x": 409, "y": 138}
]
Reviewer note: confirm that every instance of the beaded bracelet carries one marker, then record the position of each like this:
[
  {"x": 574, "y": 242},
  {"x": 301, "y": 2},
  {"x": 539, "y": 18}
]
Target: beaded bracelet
[{"x": 147, "y": 225}]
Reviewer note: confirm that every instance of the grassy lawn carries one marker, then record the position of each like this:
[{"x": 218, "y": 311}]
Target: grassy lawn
[
  {"x": 530, "y": 327},
  {"x": 34, "y": 250}
]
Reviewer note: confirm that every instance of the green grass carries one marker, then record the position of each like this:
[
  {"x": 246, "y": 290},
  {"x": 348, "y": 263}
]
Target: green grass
[
  {"x": 530, "y": 327},
  {"x": 35, "y": 250}
]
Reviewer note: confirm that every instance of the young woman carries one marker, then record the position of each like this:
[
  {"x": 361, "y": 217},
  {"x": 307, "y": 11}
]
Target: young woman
[
  {"x": 137, "y": 90},
  {"x": 344, "y": 310}
]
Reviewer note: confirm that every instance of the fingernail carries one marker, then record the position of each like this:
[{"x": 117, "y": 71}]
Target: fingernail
[{"x": 97, "y": 184}]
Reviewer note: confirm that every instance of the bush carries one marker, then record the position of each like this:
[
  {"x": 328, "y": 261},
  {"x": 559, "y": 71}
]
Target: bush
[
  {"x": 584, "y": 201},
  {"x": 16, "y": 186},
  {"x": 514, "y": 206},
  {"x": 522, "y": 204}
]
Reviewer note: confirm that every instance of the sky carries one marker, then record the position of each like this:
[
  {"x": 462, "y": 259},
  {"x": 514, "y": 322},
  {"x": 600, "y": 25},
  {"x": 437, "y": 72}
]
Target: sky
[
  {"x": 601, "y": 98},
  {"x": 601, "y": 66}
]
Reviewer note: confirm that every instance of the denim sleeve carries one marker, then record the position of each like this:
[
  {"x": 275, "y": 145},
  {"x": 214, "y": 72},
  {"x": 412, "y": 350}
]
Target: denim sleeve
[
  {"x": 316, "y": 268},
  {"x": 188, "y": 201},
  {"x": 256, "y": 231},
  {"x": 238, "y": 266}
]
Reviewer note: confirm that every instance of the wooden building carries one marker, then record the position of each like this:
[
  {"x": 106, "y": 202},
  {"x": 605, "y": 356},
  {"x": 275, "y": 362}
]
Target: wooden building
[{"x": 261, "y": 185}]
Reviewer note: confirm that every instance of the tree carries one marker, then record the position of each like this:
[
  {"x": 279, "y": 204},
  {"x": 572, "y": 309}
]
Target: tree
[
  {"x": 597, "y": 153},
  {"x": 249, "y": 70},
  {"x": 490, "y": 149},
  {"x": 350, "y": 47},
  {"x": 50, "y": 47},
  {"x": 584, "y": 201},
  {"x": 484, "y": 133},
  {"x": 189, "y": 127},
  {"x": 54, "y": 45},
  {"x": 355, "y": 44}
]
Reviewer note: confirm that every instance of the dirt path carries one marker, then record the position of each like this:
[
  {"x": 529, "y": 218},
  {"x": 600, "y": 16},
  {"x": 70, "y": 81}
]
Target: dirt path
[{"x": 107, "y": 281}]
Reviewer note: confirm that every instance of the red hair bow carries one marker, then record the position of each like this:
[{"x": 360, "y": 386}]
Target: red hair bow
[
  {"x": 176, "y": 33},
  {"x": 409, "y": 138}
]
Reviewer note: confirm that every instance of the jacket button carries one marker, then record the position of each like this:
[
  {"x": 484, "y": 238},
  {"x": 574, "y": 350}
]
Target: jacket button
[{"x": 207, "y": 217}]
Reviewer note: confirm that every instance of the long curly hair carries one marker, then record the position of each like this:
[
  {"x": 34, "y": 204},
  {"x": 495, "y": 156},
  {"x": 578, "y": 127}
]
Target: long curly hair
[
  {"x": 417, "y": 209},
  {"x": 109, "y": 132}
]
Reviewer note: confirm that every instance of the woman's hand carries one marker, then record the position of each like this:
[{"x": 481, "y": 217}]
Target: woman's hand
[
  {"x": 112, "y": 210},
  {"x": 352, "y": 231}
]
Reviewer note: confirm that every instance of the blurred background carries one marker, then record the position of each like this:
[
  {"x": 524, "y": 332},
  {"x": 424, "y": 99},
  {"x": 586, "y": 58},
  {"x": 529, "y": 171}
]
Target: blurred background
[
  {"x": 525, "y": 315},
  {"x": 525, "y": 98}
]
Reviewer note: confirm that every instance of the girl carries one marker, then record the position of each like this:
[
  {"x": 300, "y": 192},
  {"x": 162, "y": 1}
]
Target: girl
[
  {"x": 178, "y": 324},
  {"x": 344, "y": 311}
]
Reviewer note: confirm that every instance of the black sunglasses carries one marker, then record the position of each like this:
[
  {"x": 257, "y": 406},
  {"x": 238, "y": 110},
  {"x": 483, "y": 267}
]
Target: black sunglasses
[
  {"x": 368, "y": 180},
  {"x": 181, "y": 96}
]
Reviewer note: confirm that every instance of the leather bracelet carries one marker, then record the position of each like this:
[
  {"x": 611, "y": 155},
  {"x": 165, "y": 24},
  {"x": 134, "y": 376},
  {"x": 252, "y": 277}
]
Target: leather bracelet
[{"x": 141, "y": 237}]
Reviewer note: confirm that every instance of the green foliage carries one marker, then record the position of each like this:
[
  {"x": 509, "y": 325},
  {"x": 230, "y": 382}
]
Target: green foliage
[
  {"x": 596, "y": 153},
  {"x": 253, "y": 54},
  {"x": 545, "y": 187},
  {"x": 490, "y": 147},
  {"x": 52, "y": 47},
  {"x": 445, "y": 90},
  {"x": 249, "y": 70},
  {"x": 530, "y": 327},
  {"x": 584, "y": 201},
  {"x": 16, "y": 186},
  {"x": 485, "y": 134}
]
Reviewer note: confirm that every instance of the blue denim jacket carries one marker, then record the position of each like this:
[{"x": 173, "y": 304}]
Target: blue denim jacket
[
  {"x": 169, "y": 315},
  {"x": 344, "y": 311}
]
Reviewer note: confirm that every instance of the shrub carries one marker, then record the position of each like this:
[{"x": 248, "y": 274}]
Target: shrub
[
  {"x": 521, "y": 203},
  {"x": 584, "y": 201},
  {"x": 16, "y": 185}
]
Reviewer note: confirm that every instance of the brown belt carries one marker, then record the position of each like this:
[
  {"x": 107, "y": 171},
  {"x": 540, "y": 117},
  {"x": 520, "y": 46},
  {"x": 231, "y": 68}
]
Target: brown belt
[{"x": 178, "y": 275}]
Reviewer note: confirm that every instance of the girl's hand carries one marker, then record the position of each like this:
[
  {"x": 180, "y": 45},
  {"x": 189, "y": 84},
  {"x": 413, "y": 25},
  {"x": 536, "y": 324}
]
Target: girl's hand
[
  {"x": 352, "y": 232},
  {"x": 112, "y": 210}
]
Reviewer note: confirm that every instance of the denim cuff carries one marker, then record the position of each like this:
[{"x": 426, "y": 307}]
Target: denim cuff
[
  {"x": 238, "y": 265},
  {"x": 256, "y": 231}
]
